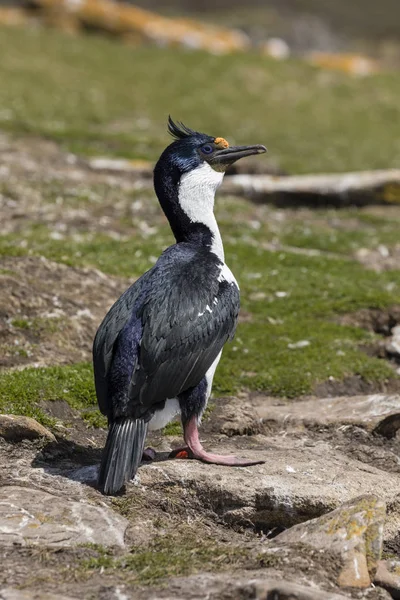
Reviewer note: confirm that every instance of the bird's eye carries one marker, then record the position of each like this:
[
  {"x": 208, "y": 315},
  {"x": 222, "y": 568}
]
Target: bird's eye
[{"x": 207, "y": 149}]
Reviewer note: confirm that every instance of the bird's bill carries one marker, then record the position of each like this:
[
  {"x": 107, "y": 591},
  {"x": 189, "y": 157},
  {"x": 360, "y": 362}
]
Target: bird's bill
[{"x": 227, "y": 156}]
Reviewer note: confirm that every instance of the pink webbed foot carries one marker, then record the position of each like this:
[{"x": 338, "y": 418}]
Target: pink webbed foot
[
  {"x": 214, "y": 459},
  {"x": 181, "y": 452},
  {"x": 194, "y": 450},
  {"x": 229, "y": 461}
]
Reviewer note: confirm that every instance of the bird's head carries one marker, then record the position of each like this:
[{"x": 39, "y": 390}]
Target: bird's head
[
  {"x": 192, "y": 149},
  {"x": 187, "y": 176}
]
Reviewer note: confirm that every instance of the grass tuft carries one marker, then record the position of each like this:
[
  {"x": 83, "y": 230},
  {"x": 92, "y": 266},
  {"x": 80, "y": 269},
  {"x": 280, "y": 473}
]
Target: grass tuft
[{"x": 169, "y": 556}]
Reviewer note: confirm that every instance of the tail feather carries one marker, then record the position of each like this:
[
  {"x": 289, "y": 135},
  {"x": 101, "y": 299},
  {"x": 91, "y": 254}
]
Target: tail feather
[{"x": 122, "y": 454}]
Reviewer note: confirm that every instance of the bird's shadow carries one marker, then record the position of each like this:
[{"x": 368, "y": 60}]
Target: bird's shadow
[{"x": 76, "y": 462}]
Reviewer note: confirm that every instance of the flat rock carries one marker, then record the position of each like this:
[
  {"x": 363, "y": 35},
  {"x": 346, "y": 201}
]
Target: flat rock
[
  {"x": 15, "y": 428},
  {"x": 14, "y": 594},
  {"x": 388, "y": 577},
  {"x": 300, "y": 480},
  {"x": 373, "y": 412},
  {"x": 30, "y": 516},
  {"x": 354, "y": 532},
  {"x": 251, "y": 585}
]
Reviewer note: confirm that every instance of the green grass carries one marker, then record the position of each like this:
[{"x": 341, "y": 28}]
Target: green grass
[
  {"x": 21, "y": 392},
  {"x": 169, "y": 556},
  {"x": 38, "y": 325},
  {"x": 332, "y": 239},
  {"x": 173, "y": 428},
  {"x": 317, "y": 291},
  {"x": 96, "y": 95},
  {"x": 21, "y": 323}
]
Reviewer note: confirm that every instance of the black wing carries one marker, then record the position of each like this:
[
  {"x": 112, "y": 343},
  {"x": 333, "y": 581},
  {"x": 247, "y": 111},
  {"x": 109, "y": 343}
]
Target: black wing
[
  {"x": 107, "y": 335},
  {"x": 187, "y": 318}
]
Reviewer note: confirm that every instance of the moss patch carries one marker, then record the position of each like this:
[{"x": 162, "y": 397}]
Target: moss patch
[
  {"x": 180, "y": 554},
  {"x": 38, "y": 325},
  {"x": 21, "y": 392},
  {"x": 293, "y": 342},
  {"x": 173, "y": 428},
  {"x": 126, "y": 257}
]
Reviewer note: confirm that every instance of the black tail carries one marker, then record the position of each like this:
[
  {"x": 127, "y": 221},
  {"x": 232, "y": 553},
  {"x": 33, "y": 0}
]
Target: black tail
[{"x": 122, "y": 454}]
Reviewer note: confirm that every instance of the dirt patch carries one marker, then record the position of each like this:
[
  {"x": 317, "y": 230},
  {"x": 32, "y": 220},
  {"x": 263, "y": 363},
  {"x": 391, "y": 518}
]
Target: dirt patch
[
  {"x": 352, "y": 386},
  {"x": 49, "y": 312},
  {"x": 59, "y": 409},
  {"x": 381, "y": 322},
  {"x": 376, "y": 320}
]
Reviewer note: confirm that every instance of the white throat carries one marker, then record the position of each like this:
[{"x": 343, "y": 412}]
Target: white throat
[{"x": 196, "y": 196}]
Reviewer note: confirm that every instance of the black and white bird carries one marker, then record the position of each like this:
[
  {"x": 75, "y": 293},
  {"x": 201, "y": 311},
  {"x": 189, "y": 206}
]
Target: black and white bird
[{"x": 156, "y": 351}]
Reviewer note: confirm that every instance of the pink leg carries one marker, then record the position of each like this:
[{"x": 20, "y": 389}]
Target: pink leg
[{"x": 196, "y": 450}]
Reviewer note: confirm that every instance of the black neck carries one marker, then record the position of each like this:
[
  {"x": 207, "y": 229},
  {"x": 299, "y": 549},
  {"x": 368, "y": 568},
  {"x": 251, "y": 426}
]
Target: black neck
[{"x": 166, "y": 184}]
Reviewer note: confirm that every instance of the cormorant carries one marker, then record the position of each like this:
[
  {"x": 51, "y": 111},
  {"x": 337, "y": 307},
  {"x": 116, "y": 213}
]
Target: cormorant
[{"x": 156, "y": 351}]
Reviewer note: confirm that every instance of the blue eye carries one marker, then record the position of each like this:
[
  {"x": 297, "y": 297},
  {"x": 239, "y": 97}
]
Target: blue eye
[{"x": 207, "y": 149}]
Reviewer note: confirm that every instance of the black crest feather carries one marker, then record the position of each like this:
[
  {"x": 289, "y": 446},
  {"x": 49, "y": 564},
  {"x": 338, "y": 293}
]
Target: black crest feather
[{"x": 178, "y": 130}]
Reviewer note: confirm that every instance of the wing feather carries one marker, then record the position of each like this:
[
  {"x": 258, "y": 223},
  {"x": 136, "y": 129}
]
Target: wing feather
[
  {"x": 107, "y": 335},
  {"x": 186, "y": 314},
  {"x": 174, "y": 358}
]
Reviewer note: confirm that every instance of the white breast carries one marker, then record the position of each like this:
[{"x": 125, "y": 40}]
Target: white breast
[
  {"x": 227, "y": 275},
  {"x": 196, "y": 196}
]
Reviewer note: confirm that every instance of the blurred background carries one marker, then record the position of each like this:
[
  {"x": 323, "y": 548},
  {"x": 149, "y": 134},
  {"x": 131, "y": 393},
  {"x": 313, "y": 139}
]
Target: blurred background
[{"x": 101, "y": 75}]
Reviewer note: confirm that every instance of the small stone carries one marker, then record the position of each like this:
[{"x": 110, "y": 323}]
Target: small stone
[
  {"x": 388, "y": 577},
  {"x": 300, "y": 344},
  {"x": 15, "y": 428},
  {"x": 354, "y": 532},
  {"x": 355, "y": 572},
  {"x": 276, "y": 48}
]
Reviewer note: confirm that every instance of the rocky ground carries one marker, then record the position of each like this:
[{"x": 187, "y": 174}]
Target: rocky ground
[{"x": 318, "y": 520}]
